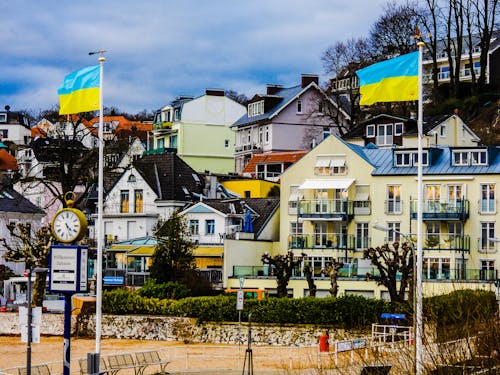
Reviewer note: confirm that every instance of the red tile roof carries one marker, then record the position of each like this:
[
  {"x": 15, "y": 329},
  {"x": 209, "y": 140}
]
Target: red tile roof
[
  {"x": 7, "y": 161},
  {"x": 288, "y": 157}
]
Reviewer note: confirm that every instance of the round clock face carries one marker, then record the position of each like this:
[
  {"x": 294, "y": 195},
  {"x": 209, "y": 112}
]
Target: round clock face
[{"x": 67, "y": 226}]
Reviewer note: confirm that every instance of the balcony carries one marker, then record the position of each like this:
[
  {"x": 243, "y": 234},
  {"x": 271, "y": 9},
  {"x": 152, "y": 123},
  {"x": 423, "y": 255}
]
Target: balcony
[
  {"x": 353, "y": 272},
  {"x": 333, "y": 241},
  {"x": 162, "y": 125},
  {"x": 443, "y": 241},
  {"x": 435, "y": 209},
  {"x": 161, "y": 150},
  {"x": 328, "y": 209}
]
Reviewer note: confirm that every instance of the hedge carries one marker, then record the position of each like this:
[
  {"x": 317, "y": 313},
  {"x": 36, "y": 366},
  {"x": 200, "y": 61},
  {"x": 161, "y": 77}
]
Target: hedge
[{"x": 350, "y": 312}]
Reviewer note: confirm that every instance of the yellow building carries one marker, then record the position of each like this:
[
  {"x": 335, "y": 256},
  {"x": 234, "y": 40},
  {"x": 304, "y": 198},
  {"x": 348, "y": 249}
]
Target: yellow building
[
  {"x": 333, "y": 196},
  {"x": 249, "y": 188}
]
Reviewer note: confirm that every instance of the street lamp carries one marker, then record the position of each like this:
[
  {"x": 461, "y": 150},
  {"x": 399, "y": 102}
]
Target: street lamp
[{"x": 383, "y": 228}]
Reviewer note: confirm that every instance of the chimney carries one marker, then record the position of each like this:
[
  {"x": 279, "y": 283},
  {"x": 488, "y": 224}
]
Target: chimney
[
  {"x": 273, "y": 89},
  {"x": 308, "y": 78},
  {"x": 214, "y": 92}
]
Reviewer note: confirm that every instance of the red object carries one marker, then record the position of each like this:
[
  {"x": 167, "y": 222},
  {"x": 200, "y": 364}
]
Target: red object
[
  {"x": 323, "y": 342},
  {"x": 3, "y": 309}
]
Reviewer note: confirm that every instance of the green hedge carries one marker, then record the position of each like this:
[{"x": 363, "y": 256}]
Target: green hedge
[{"x": 350, "y": 312}]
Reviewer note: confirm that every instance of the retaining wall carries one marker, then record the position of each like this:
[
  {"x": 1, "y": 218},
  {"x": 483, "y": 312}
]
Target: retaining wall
[{"x": 179, "y": 329}]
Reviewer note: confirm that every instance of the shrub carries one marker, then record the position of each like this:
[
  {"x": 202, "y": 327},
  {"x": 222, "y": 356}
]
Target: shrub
[{"x": 168, "y": 290}]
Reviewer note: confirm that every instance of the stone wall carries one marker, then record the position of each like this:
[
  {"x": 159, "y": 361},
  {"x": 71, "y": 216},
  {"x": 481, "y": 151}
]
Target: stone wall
[{"x": 178, "y": 329}]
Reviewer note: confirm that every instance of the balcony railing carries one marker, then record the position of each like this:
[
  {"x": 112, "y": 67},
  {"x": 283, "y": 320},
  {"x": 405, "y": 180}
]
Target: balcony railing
[
  {"x": 321, "y": 241},
  {"x": 435, "y": 209},
  {"x": 443, "y": 241},
  {"x": 161, "y": 150},
  {"x": 162, "y": 125},
  {"x": 354, "y": 272},
  {"x": 335, "y": 209}
]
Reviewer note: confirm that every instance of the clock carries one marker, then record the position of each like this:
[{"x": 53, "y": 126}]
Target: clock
[{"x": 69, "y": 224}]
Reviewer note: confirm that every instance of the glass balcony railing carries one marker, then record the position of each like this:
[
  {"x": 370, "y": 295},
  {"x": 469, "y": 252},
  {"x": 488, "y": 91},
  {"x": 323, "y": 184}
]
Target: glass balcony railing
[
  {"x": 321, "y": 241},
  {"x": 370, "y": 273},
  {"x": 435, "y": 209},
  {"x": 443, "y": 241},
  {"x": 326, "y": 209}
]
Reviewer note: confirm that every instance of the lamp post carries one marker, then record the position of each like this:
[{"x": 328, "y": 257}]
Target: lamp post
[
  {"x": 383, "y": 228},
  {"x": 29, "y": 317}
]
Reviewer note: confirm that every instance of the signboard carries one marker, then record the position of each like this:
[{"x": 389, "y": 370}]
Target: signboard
[
  {"x": 113, "y": 280},
  {"x": 239, "y": 300},
  {"x": 35, "y": 334},
  {"x": 68, "y": 268}
]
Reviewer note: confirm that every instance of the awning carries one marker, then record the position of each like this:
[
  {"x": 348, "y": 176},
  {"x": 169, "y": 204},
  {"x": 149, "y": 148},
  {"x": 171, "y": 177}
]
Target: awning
[
  {"x": 361, "y": 197},
  {"x": 141, "y": 251},
  {"x": 295, "y": 197},
  {"x": 207, "y": 251},
  {"x": 323, "y": 162},
  {"x": 337, "y": 162},
  {"x": 326, "y": 184}
]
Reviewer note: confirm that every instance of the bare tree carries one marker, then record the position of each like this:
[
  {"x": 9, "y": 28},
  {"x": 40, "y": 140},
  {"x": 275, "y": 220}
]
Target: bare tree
[
  {"x": 33, "y": 250},
  {"x": 283, "y": 267},
  {"x": 392, "y": 262},
  {"x": 332, "y": 270}
]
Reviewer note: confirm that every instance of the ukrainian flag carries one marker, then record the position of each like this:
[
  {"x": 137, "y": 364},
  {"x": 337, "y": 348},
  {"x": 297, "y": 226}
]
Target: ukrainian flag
[
  {"x": 80, "y": 91},
  {"x": 394, "y": 80}
]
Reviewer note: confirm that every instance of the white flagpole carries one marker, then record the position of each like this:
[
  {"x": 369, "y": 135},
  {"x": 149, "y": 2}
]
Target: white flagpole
[
  {"x": 100, "y": 229},
  {"x": 419, "y": 265}
]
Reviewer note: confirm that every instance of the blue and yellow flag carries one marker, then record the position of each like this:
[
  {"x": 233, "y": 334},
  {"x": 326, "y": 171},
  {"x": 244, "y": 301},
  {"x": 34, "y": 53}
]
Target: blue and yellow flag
[
  {"x": 394, "y": 80},
  {"x": 80, "y": 91}
]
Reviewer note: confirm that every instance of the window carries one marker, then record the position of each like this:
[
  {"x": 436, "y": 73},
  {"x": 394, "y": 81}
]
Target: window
[
  {"x": 330, "y": 165},
  {"x": 393, "y": 199},
  {"x": 266, "y": 131},
  {"x": 138, "y": 201},
  {"x": 326, "y": 132},
  {"x": 436, "y": 268},
  {"x": 442, "y": 130},
  {"x": 4, "y": 133},
  {"x": 124, "y": 201},
  {"x": 295, "y": 196},
  {"x": 361, "y": 236},
  {"x": 487, "y": 232},
  {"x": 444, "y": 72},
  {"x": 209, "y": 226},
  {"x": 160, "y": 143},
  {"x": 226, "y": 143},
  {"x": 487, "y": 203},
  {"x": 256, "y": 108},
  {"x": 488, "y": 269},
  {"x": 370, "y": 131},
  {"x": 3, "y": 117},
  {"x": 394, "y": 232},
  {"x": 409, "y": 158},
  {"x": 131, "y": 177},
  {"x": 299, "y": 106},
  {"x": 194, "y": 227},
  {"x": 296, "y": 228},
  {"x": 433, "y": 234},
  {"x": 177, "y": 114},
  {"x": 398, "y": 128},
  {"x": 247, "y": 193},
  {"x": 464, "y": 158},
  {"x": 384, "y": 134}
]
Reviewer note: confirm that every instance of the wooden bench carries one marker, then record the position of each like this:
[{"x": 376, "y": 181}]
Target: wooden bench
[
  {"x": 119, "y": 362},
  {"x": 150, "y": 358},
  {"x": 84, "y": 368},
  {"x": 35, "y": 370}
]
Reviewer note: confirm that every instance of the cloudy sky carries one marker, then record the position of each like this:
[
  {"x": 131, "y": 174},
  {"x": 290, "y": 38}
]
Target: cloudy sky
[{"x": 160, "y": 49}]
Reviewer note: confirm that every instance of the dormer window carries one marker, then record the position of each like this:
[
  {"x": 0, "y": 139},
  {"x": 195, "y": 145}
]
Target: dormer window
[
  {"x": 469, "y": 157},
  {"x": 3, "y": 117},
  {"x": 398, "y": 128},
  {"x": 410, "y": 158},
  {"x": 255, "y": 109}
]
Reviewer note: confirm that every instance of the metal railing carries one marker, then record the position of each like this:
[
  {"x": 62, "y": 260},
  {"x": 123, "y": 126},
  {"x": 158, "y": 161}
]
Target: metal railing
[
  {"x": 327, "y": 208},
  {"x": 441, "y": 210}
]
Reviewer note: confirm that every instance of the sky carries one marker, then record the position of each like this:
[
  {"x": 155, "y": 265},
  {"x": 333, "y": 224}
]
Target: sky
[{"x": 158, "y": 50}]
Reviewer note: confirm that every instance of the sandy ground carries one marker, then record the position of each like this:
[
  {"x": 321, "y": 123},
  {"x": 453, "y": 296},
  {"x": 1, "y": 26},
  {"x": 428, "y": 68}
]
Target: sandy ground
[{"x": 212, "y": 359}]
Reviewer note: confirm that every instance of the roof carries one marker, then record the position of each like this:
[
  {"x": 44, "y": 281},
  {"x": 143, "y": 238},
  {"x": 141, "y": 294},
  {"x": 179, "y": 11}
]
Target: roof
[
  {"x": 262, "y": 208},
  {"x": 285, "y": 94},
  {"x": 440, "y": 162},
  {"x": 288, "y": 157},
  {"x": 169, "y": 176},
  {"x": 13, "y": 202},
  {"x": 7, "y": 161}
]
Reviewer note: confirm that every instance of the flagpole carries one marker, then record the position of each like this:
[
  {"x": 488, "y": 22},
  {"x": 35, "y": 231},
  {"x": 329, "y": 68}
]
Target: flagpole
[
  {"x": 419, "y": 265},
  {"x": 100, "y": 229}
]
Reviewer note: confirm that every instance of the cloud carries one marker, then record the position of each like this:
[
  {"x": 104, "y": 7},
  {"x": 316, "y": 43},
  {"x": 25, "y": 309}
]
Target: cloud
[{"x": 158, "y": 49}]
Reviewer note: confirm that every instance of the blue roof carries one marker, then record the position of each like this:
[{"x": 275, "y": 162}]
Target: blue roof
[
  {"x": 440, "y": 162},
  {"x": 286, "y": 94}
]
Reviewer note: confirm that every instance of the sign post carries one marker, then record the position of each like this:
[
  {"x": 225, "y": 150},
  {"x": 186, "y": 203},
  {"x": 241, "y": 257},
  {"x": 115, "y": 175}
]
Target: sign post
[{"x": 68, "y": 275}]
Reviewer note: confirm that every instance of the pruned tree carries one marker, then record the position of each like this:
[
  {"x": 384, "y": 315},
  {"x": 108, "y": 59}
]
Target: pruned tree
[
  {"x": 173, "y": 256},
  {"x": 34, "y": 250},
  {"x": 308, "y": 272},
  {"x": 395, "y": 264},
  {"x": 332, "y": 271},
  {"x": 283, "y": 266}
]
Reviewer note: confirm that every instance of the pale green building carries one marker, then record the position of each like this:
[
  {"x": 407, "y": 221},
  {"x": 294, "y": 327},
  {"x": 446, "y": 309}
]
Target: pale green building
[{"x": 198, "y": 130}]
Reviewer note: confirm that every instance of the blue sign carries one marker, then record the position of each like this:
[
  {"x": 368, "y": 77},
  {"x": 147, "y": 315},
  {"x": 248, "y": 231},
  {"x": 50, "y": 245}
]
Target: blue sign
[{"x": 113, "y": 280}]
